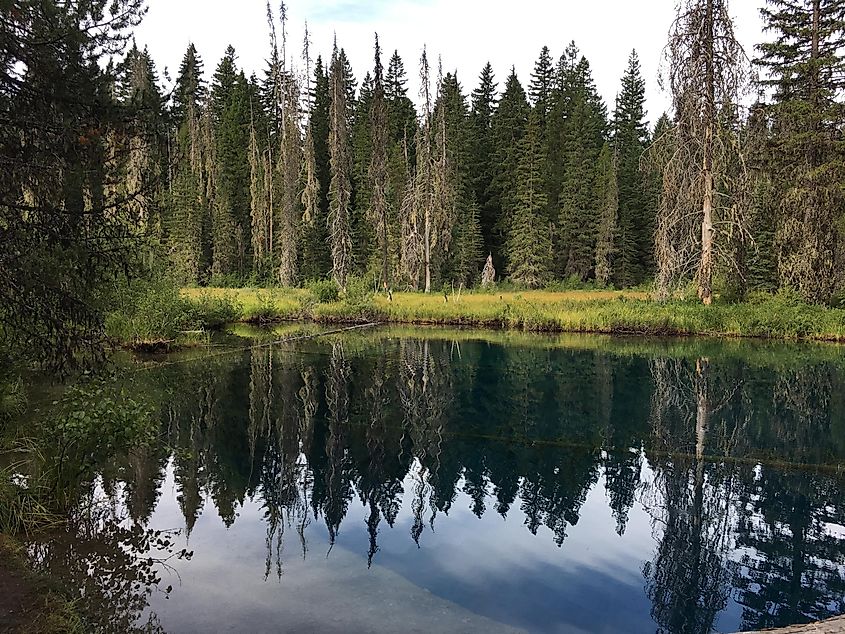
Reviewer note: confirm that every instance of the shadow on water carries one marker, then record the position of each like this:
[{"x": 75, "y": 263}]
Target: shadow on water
[{"x": 518, "y": 485}]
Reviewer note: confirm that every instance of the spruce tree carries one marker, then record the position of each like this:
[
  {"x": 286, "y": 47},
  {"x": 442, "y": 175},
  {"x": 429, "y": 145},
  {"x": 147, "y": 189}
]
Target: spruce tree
[
  {"x": 316, "y": 260},
  {"x": 287, "y": 237},
  {"x": 528, "y": 243},
  {"x": 260, "y": 187},
  {"x": 362, "y": 151},
  {"x": 401, "y": 114},
  {"x": 463, "y": 262},
  {"x": 145, "y": 152},
  {"x": 804, "y": 66},
  {"x": 702, "y": 172},
  {"x": 607, "y": 237},
  {"x": 188, "y": 220},
  {"x": 231, "y": 208},
  {"x": 636, "y": 219},
  {"x": 507, "y": 129},
  {"x": 581, "y": 137},
  {"x": 481, "y": 153},
  {"x": 541, "y": 86}
]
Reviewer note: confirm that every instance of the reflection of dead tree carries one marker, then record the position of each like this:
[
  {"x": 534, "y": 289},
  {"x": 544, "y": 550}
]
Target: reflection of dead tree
[
  {"x": 378, "y": 490},
  {"x": 337, "y": 402},
  {"x": 688, "y": 578},
  {"x": 425, "y": 393},
  {"x": 260, "y": 395}
]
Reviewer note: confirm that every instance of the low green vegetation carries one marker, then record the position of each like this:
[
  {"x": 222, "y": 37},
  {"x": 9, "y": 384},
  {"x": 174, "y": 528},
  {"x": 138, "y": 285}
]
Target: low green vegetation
[{"x": 781, "y": 316}]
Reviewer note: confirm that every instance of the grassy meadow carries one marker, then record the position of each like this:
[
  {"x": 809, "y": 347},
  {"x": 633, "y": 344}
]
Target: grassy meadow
[{"x": 608, "y": 312}]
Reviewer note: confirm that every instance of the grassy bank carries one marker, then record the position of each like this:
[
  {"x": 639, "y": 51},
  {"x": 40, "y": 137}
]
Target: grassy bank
[{"x": 606, "y": 312}]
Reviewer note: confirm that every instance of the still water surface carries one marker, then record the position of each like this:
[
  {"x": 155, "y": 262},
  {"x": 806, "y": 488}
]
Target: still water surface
[{"x": 422, "y": 481}]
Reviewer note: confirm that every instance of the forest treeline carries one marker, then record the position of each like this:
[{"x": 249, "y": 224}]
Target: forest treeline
[
  {"x": 290, "y": 176},
  {"x": 284, "y": 178},
  {"x": 299, "y": 174}
]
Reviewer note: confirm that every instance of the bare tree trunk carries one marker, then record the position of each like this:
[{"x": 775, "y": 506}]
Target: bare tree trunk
[
  {"x": 427, "y": 251},
  {"x": 705, "y": 272}
]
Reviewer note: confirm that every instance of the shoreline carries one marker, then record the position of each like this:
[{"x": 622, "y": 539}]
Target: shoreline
[{"x": 614, "y": 313}]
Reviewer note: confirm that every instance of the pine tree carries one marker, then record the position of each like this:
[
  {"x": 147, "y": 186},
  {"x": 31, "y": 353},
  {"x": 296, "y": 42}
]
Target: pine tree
[
  {"x": 804, "y": 65},
  {"x": 636, "y": 220},
  {"x": 528, "y": 243},
  {"x": 606, "y": 240},
  {"x": 481, "y": 153},
  {"x": 582, "y": 136},
  {"x": 541, "y": 86},
  {"x": 508, "y": 126},
  {"x": 316, "y": 260},
  {"x": 340, "y": 187}
]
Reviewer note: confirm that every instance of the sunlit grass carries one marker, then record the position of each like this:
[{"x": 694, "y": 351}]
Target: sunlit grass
[{"x": 608, "y": 312}]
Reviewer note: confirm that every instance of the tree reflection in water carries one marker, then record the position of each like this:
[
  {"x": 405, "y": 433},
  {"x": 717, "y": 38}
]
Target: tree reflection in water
[{"x": 699, "y": 442}]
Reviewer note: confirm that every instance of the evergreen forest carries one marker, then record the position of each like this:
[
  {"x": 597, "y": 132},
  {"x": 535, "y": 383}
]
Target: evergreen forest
[{"x": 300, "y": 171}]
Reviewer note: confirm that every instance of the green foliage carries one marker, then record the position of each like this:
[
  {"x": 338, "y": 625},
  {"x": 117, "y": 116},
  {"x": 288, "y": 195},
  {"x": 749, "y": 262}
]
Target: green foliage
[
  {"x": 636, "y": 205},
  {"x": 147, "y": 310},
  {"x": 324, "y": 291},
  {"x": 94, "y": 420},
  {"x": 263, "y": 309},
  {"x": 359, "y": 293},
  {"x": 152, "y": 310},
  {"x": 66, "y": 229},
  {"x": 529, "y": 243},
  {"x": 212, "y": 311},
  {"x": 837, "y": 300}
]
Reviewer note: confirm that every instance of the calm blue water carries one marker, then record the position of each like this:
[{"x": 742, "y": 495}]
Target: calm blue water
[{"x": 431, "y": 481}]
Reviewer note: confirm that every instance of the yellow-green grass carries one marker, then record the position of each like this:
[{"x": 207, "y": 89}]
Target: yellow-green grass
[{"x": 609, "y": 312}]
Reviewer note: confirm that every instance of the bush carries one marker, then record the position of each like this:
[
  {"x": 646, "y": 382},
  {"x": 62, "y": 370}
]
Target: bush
[
  {"x": 359, "y": 293},
  {"x": 837, "y": 300},
  {"x": 213, "y": 311},
  {"x": 147, "y": 310},
  {"x": 324, "y": 291}
]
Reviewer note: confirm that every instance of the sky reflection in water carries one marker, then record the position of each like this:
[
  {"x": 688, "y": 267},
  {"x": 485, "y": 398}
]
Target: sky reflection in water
[{"x": 374, "y": 482}]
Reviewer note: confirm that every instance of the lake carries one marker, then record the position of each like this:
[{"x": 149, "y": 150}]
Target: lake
[{"x": 420, "y": 480}]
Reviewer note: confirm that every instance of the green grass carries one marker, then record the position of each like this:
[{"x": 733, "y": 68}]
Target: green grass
[{"x": 605, "y": 312}]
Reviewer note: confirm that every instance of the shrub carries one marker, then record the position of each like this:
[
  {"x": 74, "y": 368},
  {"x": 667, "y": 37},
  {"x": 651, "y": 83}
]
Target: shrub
[
  {"x": 358, "y": 294},
  {"x": 147, "y": 310},
  {"x": 837, "y": 300},
  {"x": 324, "y": 291},
  {"x": 213, "y": 311}
]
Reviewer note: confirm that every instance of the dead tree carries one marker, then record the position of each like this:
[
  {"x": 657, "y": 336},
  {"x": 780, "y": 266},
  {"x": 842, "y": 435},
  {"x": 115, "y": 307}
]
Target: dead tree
[{"x": 704, "y": 178}]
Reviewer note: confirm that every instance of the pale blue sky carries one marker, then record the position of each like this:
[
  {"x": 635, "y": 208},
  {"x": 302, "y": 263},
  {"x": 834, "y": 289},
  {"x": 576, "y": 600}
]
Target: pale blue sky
[{"x": 466, "y": 33}]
